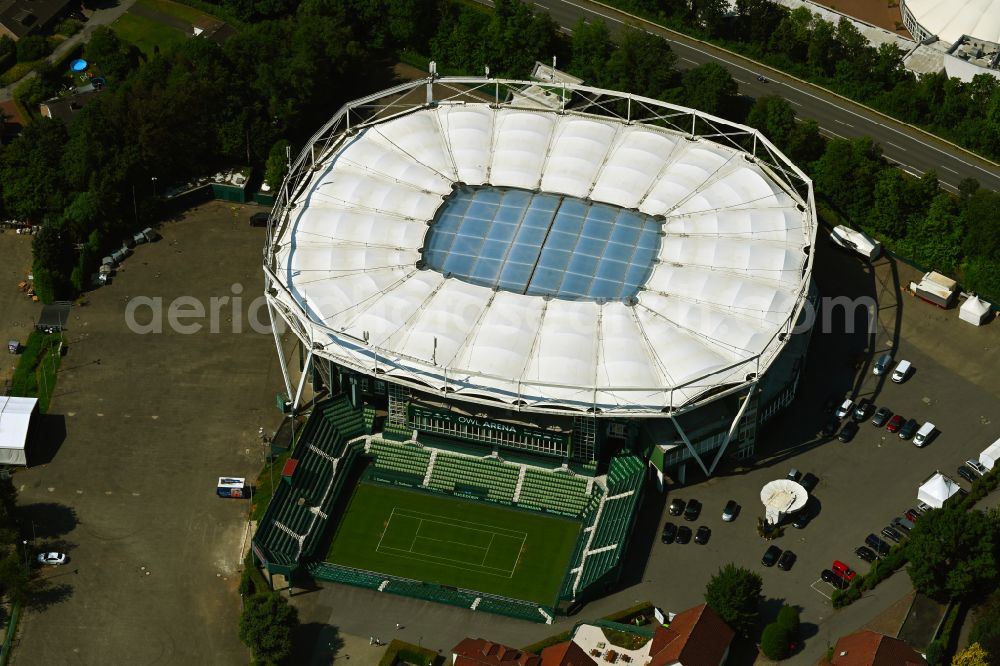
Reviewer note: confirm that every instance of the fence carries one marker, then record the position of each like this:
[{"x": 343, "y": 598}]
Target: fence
[
  {"x": 444, "y": 594},
  {"x": 8, "y": 641}
]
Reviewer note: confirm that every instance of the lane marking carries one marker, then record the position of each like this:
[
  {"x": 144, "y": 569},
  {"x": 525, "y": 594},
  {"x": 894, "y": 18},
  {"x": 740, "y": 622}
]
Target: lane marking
[
  {"x": 838, "y": 120},
  {"x": 890, "y": 143}
]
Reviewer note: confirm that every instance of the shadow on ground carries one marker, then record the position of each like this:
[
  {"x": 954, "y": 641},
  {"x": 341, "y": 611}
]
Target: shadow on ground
[{"x": 47, "y": 436}]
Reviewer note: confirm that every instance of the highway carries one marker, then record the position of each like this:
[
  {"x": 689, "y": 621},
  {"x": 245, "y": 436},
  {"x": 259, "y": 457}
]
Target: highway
[{"x": 913, "y": 150}]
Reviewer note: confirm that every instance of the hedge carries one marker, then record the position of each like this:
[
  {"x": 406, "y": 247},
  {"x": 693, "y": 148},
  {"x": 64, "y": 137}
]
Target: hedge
[{"x": 401, "y": 651}]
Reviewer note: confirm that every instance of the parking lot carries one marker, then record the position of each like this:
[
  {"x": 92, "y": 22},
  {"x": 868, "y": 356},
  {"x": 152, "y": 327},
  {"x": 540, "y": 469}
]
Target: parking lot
[
  {"x": 862, "y": 484},
  {"x": 124, "y": 473}
]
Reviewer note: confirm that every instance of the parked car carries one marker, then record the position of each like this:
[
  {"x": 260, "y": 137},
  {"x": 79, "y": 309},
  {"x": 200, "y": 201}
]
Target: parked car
[
  {"x": 865, "y": 553},
  {"x": 731, "y": 511},
  {"x": 904, "y": 525},
  {"x": 882, "y": 364},
  {"x": 702, "y": 535},
  {"x": 803, "y": 517},
  {"x": 902, "y": 371},
  {"x": 53, "y": 558},
  {"x": 844, "y": 409},
  {"x": 912, "y": 515},
  {"x": 683, "y": 534},
  {"x": 908, "y": 429},
  {"x": 693, "y": 510},
  {"x": 848, "y": 432},
  {"x": 967, "y": 474},
  {"x": 923, "y": 507},
  {"x": 844, "y": 571},
  {"x": 893, "y": 534},
  {"x": 881, "y": 416},
  {"x": 787, "y": 560},
  {"x": 976, "y": 466},
  {"x": 809, "y": 481},
  {"x": 877, "y": 544},
  {"x": 863, "y": 409},
  {"x": 677, "y": 507},
  {"x": 669, "y": 533},
  {"x": 771, "y": 556},
  {"x": 895, "y": 423},
  {"x": 830, "y": 427},
  {"x": 833, "y": 579},
  {"x": 925, "y": 434}
]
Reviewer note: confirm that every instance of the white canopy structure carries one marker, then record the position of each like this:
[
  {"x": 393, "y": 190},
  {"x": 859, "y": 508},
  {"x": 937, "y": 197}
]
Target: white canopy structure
[
  {"x": 937, "y": 489},
  {"x": 990, "y": 455},
  {"x": 782, "y": 497},
  {"x": 949, "y": 21},
  {"x": 974, "y": 310},
  {"x": 544, "y": 260},
  {"x": 15, "y": 422}
]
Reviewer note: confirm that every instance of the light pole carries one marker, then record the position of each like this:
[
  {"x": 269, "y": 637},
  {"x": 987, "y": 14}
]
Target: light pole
[
  {"x": 153, "y": 179},
  {"x": 25, "y": 542}
]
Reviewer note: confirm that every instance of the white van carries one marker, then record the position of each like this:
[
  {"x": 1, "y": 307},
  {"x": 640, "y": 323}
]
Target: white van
[
  {"x": 901, "y": 372},
  {"x": 883, "y": 363},
  {"x": 924, "y": 435}
]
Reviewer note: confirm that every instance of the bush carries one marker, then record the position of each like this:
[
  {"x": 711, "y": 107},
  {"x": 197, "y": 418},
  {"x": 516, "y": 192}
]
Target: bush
[
  {"x": 774, "y": 641},
  {"x": 788, "y": 617},
  {"x": 400, "y": 652},
  {"x": 31, "y": 48},
  {"x": 68, "y": 28},
  {"x": 935, "y": 653},
  {"x": 847, "y": 597},
  {"x": 266, "y": 627}
]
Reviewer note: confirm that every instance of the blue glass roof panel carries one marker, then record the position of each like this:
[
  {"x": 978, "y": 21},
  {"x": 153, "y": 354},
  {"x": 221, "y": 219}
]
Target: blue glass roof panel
[{"x": 542, "y": 244}]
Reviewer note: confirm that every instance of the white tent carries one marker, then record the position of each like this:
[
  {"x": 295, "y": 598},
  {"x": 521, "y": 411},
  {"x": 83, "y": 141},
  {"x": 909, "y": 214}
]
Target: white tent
[
  {"x": 15, "y": 419},
  {"x": 974, "y": 310},
  {"x": 937, "y": 489},
  {"x": 990, "y": 455}
]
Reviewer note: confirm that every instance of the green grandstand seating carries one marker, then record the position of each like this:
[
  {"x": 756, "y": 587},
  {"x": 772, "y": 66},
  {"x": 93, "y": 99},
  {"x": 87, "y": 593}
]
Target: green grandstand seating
[
  {"x": 339, "y": 574},
  {"x": 522, "y": 610},
  {"x": 498, "y": 479},
  {"x": 554, "y": 492},
  {"x": 369, "y": 416},
  {"x": 408, "y": 459}
]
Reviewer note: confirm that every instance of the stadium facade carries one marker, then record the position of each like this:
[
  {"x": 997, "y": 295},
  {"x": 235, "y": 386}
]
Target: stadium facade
[
  {"x": 559, "y": 275},
  {"x": 532, "y": 296}
]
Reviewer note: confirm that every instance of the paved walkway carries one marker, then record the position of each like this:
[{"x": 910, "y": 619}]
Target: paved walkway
[{"x": 103, "y": 16}]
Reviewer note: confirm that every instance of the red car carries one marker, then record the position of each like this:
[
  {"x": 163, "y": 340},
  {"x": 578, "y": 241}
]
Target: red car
[
  {"x": 844, "y": 571},
  {"x": 895, "y": 423},
  {"x": 912, "y": 515}
]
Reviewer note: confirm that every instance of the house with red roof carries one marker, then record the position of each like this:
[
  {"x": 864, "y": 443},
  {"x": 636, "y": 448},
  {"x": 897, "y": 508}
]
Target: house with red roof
[
  {"x": 481, "y": 652},
  {"x": 867, "y": 648}
]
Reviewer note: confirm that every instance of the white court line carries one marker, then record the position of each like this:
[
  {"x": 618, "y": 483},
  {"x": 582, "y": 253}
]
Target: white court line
[
  {"x": 446, "y": 562},
  {"x": 457, "y": 543},
  {"x": 448, "y": 520},
  {"x": 487, "y": 553}
]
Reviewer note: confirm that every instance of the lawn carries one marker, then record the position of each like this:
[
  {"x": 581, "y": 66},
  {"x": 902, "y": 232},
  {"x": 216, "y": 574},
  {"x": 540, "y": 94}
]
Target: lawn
[
  {"x": 179, "y": 11},
  {"x": 146, "y": 33},
  {"x": 37, "y": 369},
  {"x": 455, "y": 542}
]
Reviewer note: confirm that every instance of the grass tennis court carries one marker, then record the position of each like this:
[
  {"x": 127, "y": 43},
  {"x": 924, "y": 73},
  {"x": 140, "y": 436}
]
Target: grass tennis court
[{"x": 454, "y": 542}]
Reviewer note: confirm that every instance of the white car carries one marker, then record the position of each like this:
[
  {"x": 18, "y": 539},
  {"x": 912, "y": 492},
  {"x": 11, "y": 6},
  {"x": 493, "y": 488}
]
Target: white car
[
  {"x": 844, "y": 409},
  {"x": 976, "y": 466},
  {"x": 52, "y": 558}
]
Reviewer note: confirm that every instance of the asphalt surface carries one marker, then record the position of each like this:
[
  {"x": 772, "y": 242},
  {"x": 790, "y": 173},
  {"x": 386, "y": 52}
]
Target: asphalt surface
[{"x": 913, "y": 150}]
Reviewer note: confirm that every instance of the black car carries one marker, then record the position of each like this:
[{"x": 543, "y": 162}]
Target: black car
[
  {"x": 833, "y": 579},
  {"x": 877, "y": 544},
  {"x": 802, "y": 517},
  {"x": 786, "y": 561},
  {"x": 677, "y": 507},
  {"x": 865, "y": 553},
  {"x": 693, "y": 510},
  {"x": 863, "y": 409},
  {"x": 702, "y": 535},
  {"x": 830, "y": 427},
  {"x": 730, "y": 512},
  {"x": 848, "y": 432},
  {"x": 683, "y": 534},
  {"x": 669, "y": 532},
  {"x": 881, "y": 416},
  {"x": 771, "y": 556},
  {"x": 908, "y": 429},
  {"x": 809, "y": 481},
  {"x": 967, "y": 474},
  {"x": 890, "y": 533}
]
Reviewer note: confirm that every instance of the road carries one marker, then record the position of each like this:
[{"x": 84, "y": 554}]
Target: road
[
  {"x": 913, "y": 150},
  {"x": 105, "y": 15}
]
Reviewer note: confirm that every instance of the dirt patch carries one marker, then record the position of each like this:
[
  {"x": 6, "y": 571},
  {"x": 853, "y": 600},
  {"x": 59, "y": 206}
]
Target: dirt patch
[{"x": 884, "y": 14}]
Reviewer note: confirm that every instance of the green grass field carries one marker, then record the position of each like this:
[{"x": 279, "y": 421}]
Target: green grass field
[
  {"x": 454, "y": 542},
  {"x": 146, "y": 33}
]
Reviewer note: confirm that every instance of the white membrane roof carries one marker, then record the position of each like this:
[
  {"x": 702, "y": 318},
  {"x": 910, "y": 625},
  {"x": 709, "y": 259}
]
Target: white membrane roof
[
  {"x": 727, "y": 277},
  {"x": 950, "y": 20}
]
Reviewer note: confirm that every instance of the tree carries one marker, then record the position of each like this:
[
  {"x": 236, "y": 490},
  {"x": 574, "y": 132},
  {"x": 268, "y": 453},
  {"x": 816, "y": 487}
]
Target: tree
[
  {"x": 773, "y": 116},
  {"x": 643, "y": 64},
  {"x": 115, "y": 58},
  {"x": 277, "y": 165},
  {"x": 266, "y": 627},
  {"x": 774, "y": 641},
  {"x": 974, "y": 655},
  {"x": 29, "y": 171},
  {"x": 735, "y": 593},
  {"x": 986, "y": 630},
  {"x": 591, "y": 48},
  {"x": 952, "y": 553},
  {"x": 710, "y": 88},
  {"x": 31, "y": 48},
  {"x": 788, "y": 617},
  {"x": 935, "y": 653},
  {"x": 824, "y": 50}
]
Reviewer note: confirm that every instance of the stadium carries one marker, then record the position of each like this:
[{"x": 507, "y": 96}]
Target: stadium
[{"x": 524, "y": 302}]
